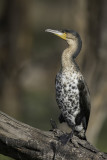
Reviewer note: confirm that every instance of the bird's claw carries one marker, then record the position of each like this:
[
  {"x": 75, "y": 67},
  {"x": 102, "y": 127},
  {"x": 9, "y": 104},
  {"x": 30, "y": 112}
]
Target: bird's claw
[
  {"x": 64, "y": 138},
  {"x": 75, "y": 143}
]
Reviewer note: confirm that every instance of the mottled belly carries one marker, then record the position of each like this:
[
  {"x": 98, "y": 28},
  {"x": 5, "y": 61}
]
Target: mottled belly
[{"x": 67, "y": 97}]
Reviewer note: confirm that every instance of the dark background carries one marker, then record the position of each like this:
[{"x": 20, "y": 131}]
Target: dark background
[{"x": 30, "y": 59}]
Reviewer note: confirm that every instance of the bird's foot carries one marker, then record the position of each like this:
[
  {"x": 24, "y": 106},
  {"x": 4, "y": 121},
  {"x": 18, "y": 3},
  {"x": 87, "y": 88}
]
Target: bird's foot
[
  {"x": 64, "y": 138},
  {"x": 74, "y": 142},
  {"x": 78, "y": 138}
]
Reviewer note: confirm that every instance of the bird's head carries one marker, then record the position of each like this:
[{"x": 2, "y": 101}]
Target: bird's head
[{"x": 70, "y": 36}]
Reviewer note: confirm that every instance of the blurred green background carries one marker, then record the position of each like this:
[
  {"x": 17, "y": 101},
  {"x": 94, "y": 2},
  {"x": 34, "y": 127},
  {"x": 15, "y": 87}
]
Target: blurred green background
[{"x": 30, "y": 59}]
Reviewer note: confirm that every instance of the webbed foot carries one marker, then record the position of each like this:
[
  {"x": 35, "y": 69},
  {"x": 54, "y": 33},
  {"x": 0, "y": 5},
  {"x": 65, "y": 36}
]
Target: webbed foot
[{"x": 64, "y": 138}]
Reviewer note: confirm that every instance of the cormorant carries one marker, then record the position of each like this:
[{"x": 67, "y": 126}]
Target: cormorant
[{"x": 72, "y": 94}]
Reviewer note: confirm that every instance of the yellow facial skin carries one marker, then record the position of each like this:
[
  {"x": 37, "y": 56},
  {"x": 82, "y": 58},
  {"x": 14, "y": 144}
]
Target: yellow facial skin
[{"x": 58, "y": 33}]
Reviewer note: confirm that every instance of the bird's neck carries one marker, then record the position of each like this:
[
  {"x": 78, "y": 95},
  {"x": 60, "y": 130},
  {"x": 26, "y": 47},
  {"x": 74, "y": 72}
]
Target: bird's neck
[{"x": 68, "y": 56}]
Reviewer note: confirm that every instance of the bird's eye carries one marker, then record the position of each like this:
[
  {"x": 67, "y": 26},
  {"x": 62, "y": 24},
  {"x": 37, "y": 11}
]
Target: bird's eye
[{"x": 69, "y": 36}]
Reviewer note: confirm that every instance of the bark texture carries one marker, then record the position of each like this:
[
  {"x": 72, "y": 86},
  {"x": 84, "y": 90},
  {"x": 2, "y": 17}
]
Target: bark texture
[{"x": 23, "y": 142}]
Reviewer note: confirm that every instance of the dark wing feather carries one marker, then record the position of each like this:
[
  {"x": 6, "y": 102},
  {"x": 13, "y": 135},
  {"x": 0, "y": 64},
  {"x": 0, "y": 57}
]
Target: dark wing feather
[{"x": 84, "y": 104}]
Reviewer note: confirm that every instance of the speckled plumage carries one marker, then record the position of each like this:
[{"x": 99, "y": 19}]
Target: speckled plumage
[
  {"x": 72, "y": 94},
  {"x": 68, "y": 97}
]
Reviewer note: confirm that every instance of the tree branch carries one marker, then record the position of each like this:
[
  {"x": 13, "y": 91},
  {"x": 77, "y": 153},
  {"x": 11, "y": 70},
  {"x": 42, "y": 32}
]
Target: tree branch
[{"x": 23, "y": 142}]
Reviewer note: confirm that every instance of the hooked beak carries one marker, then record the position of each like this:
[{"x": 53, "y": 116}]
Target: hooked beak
[{"x": 58, "y": 33}]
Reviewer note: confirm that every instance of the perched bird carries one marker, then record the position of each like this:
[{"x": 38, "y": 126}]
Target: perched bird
[{"x": 72, "y": 94}]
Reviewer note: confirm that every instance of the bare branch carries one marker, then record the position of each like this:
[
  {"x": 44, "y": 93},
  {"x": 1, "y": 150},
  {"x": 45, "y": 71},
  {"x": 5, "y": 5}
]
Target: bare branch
[{"x": 23, "y": 142}]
